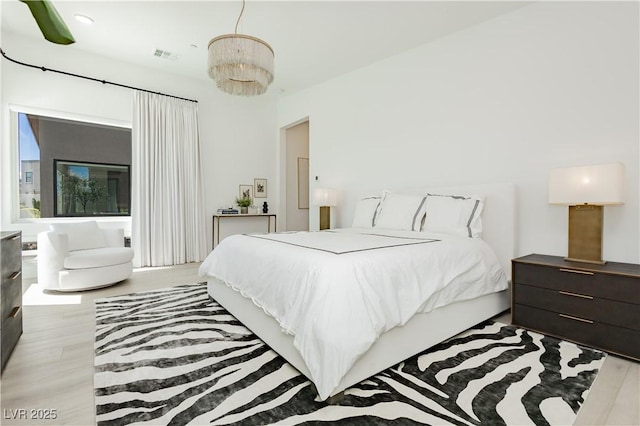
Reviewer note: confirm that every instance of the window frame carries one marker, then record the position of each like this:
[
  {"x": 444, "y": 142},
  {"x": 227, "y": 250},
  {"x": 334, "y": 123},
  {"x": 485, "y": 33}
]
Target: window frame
[
  {"x": 14, "y": 159},
  {"x": 56, "y": 213}
]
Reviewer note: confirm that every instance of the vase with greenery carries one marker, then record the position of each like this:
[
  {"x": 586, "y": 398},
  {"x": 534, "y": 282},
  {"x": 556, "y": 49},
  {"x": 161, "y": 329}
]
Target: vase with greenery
[{"x": 244, "y": 204}]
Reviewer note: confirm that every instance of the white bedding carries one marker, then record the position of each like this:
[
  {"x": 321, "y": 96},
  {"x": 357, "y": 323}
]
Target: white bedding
[{"x": 337, "y": 291}]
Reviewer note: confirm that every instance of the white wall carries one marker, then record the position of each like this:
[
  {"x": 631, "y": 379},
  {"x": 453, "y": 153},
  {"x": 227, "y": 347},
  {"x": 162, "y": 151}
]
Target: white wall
[
  {"x": 549, "y": 85},
  {"x": 237, "y": 135}
]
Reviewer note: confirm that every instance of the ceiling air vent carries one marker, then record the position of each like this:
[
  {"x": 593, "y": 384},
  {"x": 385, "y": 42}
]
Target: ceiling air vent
[{"x": 165, "y": 54}]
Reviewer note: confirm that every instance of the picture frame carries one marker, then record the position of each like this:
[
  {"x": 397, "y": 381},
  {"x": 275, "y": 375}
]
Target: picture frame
[
  {"x": 245, "y": 191},
  {"x": 260, "y": 188},
  {"x": 303, "y": 183}
]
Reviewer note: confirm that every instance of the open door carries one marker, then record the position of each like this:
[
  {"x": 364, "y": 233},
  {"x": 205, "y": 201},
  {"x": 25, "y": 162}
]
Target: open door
[{"x": 296, "y": 175}]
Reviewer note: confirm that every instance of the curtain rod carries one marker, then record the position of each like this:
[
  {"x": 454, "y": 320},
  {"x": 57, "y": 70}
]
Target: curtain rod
[{"x": 91, "y": 78}]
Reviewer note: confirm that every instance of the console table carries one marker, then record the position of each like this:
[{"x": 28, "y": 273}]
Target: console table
[{"x": 221, "y": 218}]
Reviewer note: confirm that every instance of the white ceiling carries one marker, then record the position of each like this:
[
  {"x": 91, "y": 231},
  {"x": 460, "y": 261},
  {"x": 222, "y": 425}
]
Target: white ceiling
[{"x": 313, "y": 40}]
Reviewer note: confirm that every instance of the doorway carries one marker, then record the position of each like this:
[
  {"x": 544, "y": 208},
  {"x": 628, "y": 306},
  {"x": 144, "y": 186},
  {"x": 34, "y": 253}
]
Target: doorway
[{"x": 296, "y": 177}]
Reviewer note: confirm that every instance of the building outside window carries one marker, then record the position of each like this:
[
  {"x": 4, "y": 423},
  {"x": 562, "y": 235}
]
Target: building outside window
[{"x": 72, "y": 168}]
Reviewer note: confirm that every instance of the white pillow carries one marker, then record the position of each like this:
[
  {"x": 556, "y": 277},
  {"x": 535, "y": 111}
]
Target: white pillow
[
  {"x": 82, "y": 235},
  {"x": 454, "y": 214},
  {"x": 400, "y": 211},
  {"x": 364, "y": 215}
]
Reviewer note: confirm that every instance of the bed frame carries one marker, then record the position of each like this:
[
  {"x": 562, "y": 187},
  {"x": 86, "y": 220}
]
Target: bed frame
[{"x": 423, "y": 330}]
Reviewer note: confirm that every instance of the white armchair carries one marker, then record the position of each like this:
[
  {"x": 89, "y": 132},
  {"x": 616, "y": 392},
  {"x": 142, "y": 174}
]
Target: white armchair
[{"x": 82, "y": 256}]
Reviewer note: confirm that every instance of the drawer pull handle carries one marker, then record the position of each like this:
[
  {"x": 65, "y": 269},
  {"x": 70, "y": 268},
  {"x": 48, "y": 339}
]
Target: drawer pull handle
[
  {"x": 15, "y": 275},
  {"x": 576, "y": 318},
  {"x": 568, "y": 293},
  {"x": 15, "y": 237},
  {"x": 573, "y": 271},
  {"x": 15, "y": 311}
]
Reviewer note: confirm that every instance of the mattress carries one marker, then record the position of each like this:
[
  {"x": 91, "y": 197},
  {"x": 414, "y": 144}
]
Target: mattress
[{"x": 337, "y": 291}]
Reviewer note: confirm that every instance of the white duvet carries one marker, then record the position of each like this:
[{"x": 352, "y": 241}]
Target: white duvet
[{"x": 337, "y": 291}]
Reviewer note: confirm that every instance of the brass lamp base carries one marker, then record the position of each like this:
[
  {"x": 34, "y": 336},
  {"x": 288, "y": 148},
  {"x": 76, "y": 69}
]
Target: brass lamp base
[
  {"x": 585, "y": 234},
  {"x": 325, "y": 217}
]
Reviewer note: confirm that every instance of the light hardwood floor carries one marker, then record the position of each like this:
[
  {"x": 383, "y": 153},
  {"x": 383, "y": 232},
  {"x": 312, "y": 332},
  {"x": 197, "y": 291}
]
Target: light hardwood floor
[{"x": 51, "y": 368}]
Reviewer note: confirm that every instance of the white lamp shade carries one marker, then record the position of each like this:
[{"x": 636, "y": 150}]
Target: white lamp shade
[
  {"x": 599, "y": 185},
  {"x": 325, "y": 197}
]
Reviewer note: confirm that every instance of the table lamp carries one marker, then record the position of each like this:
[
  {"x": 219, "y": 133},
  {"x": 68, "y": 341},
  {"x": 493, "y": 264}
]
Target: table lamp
[
  {"x": 325, "y": 198},
  {"x": 586, "y": 189}
]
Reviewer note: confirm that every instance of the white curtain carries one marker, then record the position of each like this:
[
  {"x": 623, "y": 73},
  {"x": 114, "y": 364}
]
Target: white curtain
[{"x": 167, "y": 202}]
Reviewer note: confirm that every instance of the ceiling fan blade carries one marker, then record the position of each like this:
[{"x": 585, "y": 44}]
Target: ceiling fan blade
[{"x": 51, "y": 24}]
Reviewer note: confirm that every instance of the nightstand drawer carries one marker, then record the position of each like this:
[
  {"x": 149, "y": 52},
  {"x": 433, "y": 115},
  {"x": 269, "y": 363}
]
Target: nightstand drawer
[
  {"x": 11, "y": 299},
  {"x": 575, "y": 304},
  {"x": 621, "y": 288},
  {"x": 607, "y": 337},
  {"x": 11, "y": 331},
  {"x": 11, "y": 252}
]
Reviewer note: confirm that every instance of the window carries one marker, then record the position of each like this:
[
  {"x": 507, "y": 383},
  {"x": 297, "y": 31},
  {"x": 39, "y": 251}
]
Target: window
[
  {"x": 72, "y": 168},
  {"x": 87, "y": 189}
]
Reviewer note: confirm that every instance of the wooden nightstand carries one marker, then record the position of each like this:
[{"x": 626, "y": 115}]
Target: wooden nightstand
[
  {"x": 596, "y": 305},
  {"x": 10, "y": 293}
]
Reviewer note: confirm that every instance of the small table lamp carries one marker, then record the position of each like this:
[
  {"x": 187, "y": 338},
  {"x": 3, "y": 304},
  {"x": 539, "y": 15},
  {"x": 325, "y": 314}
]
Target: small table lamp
[
  {"x": 585, "y": 190},
  {"x": 325, "y": 198}
]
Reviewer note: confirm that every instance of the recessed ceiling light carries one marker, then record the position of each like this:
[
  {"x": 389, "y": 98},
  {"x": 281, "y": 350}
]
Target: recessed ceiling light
[{"x": 84, "y": 19}]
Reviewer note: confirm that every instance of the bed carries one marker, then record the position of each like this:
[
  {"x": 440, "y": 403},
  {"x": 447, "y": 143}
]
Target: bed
[{"x": 340, "y": 323}]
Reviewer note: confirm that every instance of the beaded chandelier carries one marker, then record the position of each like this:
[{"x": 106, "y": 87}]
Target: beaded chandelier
[{"x": 240, "y": 64}]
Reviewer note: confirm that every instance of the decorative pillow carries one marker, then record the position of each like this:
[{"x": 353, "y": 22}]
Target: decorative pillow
[
  {"x": 364, "y": 215},
  {"x": 400, "y": 211},
  {"x": 82, "y": 235},
  {"x": 454, "y": 214}
]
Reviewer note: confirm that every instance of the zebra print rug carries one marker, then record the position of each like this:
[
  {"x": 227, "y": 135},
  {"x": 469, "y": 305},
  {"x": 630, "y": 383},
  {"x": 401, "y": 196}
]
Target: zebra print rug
[{"x": 174, "y": 356}]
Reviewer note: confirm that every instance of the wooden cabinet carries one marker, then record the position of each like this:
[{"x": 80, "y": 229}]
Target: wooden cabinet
[
  {"x": 10, "y": 293},
  {"x": 596, "y": 305}
]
